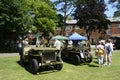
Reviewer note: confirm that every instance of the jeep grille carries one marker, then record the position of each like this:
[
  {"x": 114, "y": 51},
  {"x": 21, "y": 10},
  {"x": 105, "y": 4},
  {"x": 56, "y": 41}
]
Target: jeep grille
[{"x": 48, "y": 56}]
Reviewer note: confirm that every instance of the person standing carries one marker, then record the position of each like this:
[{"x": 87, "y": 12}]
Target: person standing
[
  {"x": 111, "y": 45},
  {"x": 100, "y": 53},
  {"x": 19, "y": 46},
  {"x": 25, "y": 41},
  {"x": 58, "y": 45},
  {"x": 108, "y": 52}
]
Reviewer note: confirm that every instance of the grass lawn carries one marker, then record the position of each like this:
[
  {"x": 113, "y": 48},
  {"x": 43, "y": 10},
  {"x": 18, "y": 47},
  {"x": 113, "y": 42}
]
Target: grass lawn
[{"x": 10, "y": 69}]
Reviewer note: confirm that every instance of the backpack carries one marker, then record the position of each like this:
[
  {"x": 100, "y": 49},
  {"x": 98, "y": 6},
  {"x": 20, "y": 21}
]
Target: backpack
[{"x": 108, "y": 49}]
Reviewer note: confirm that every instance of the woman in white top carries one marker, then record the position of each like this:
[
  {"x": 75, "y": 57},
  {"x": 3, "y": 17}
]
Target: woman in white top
[{"x": 100, "y": 53}]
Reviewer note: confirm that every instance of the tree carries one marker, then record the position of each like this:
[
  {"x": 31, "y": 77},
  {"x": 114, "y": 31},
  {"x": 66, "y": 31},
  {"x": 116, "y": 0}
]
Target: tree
[
  {"x": 117, "y": 5},
  {"x": 65, "y": 8},
  {"x": 48, "y": 2},
  {"x": 90, "y": 15},
  {"x": 14, "y": 15},
  {"x": 45, "y": 17},
  {"x": 60, "y": 20},
  {"x": 25, "y": 15}
]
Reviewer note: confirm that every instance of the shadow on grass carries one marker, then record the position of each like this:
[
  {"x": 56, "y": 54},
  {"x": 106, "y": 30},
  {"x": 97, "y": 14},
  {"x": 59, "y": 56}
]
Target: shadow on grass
[
  {"x": 42, "y": 70},
  {"x": 67, "y": 60},
  {"x": 91, "y": 65},
  {"x": 95, "y": 62}
]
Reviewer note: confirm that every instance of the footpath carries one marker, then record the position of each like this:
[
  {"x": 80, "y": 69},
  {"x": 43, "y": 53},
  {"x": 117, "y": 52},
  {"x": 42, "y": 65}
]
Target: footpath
[{"x": 8, "y": 54}]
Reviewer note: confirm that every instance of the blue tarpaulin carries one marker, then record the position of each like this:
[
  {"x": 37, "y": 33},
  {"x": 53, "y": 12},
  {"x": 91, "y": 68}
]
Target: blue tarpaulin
[{"x": 77, "y": 36}]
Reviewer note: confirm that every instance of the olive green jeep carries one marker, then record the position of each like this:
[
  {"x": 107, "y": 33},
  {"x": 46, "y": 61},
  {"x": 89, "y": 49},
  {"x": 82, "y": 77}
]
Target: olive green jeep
[
  {"x": 77, "y": 54},
  {"x": 37, "y": 57}
]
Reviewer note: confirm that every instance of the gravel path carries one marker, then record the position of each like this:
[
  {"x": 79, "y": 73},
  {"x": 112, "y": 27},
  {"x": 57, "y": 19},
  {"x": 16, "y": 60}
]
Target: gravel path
[{"x": 8, "y": 54}]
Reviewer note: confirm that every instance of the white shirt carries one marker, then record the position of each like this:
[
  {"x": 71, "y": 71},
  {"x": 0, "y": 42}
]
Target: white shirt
[
  {"x": 57, "y": 44},
  {"x": 70, "y": 42},
  {"x": 100, "y": 46},
  {"x": 111, "y": 45}
]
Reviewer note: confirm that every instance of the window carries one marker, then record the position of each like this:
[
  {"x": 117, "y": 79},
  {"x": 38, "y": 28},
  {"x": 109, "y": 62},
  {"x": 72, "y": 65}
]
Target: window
[
  {"x": 77, "y": 27},
  {"x": 109, "y": 26},
  {"x": 69, "y": 27},
  {"x": 118, "y": 25},
  {"x": 108, "y": 32}
]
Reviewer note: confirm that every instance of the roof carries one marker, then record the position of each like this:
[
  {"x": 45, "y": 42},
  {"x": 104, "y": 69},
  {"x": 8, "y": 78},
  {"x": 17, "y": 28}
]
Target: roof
[
  {"x": 71, "y": 21},
  {"x": 115, "y": 35},
  {"x": 114, "y": 19}
]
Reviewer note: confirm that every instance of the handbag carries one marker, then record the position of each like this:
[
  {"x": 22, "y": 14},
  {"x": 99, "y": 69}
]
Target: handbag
[{"x": 99, "y": 51}]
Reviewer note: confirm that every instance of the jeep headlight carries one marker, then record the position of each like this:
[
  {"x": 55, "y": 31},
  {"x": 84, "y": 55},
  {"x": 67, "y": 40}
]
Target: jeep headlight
[{"x": 56, "y": 53}]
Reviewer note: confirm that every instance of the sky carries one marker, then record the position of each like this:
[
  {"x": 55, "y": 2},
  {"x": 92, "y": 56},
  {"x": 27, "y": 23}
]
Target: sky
[{"x": 109, "y": 12}]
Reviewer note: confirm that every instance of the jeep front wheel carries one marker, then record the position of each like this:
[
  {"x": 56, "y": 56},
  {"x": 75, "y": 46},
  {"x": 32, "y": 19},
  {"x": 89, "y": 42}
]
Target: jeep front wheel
[
  {"x": 34, "y": 66},
  {"x": 22, "y": 61},
  {"x": 89, "y": 58},
  {"x": 58, "y": 66}
]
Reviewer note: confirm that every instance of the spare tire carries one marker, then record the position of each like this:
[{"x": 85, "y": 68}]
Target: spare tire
[{"x": 89, "y": 58}]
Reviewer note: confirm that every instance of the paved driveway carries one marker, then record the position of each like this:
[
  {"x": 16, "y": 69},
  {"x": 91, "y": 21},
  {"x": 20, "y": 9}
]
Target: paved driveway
[{"x": 8, "y": 54}]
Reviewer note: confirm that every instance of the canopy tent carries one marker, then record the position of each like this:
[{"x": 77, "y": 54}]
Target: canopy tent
[
  {"x": 60, "y": 37},
  {"x": 77, "y": 36}
]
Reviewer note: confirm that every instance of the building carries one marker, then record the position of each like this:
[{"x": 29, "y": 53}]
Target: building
[{"x": 113, "y": 31}]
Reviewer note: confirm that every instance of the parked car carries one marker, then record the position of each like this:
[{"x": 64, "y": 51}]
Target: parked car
[{"x": 116, "y": 42}]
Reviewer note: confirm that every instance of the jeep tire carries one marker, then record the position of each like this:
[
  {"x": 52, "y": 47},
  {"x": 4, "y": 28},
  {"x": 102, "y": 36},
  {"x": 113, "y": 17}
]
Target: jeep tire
[
  {"x": 22, "y": 60},
  {"x": 33, "y": 66},
  {"x": 89, "y": 58},
  {"x": 75, "y": 59},
  {"x": 58, "y": 66}
]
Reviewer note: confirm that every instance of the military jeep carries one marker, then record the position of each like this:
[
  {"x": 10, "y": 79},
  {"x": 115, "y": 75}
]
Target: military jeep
[
  {"x": 77, "y": 54},
  {"x": 37, "y": 57}
]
